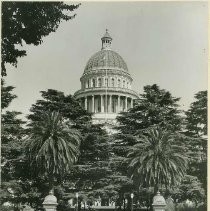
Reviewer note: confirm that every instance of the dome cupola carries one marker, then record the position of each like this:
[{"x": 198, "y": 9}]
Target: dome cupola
[
  {"x": 106, "y": 84},
  {"x": 106, "y": 41},
  {"x": 106, "y": 58}
]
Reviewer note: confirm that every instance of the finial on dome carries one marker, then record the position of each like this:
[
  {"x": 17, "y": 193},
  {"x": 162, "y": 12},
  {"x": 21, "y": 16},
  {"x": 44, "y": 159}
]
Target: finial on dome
[{"x": 106, "y": 41}]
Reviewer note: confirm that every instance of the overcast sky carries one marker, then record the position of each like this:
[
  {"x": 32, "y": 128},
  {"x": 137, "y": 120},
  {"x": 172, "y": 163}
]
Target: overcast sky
[{"x": 161, "y": 42}]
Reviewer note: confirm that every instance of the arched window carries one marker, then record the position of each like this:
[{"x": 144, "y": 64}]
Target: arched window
[
  {"x": 89, "y": 83},
  {"x": 112, "y": 82},
  {"x": 99, "y": 82},
  {"x": 118, "y": 83},
  {"x": 123, "y": 84},
  {"x": 94, "y": 83},
  {"x": 127, "y": 85}
]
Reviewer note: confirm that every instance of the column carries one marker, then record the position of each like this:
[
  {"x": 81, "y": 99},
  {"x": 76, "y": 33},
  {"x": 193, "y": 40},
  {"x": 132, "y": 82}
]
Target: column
[
  {"x": 105, "y": 101},
  {"x": 118, "y": 103},
  {"x": 96, "y": 81},
  {"x": 104, "y": 81},
  {"x": 126, "y": 104},
  {"x": 110, "y": 103},
  {"x": 102, "y": 104},
  {"x": 93, "y": 107},
  {"x": 86, "y": 103},
  {"x": 131, "y": 103}
]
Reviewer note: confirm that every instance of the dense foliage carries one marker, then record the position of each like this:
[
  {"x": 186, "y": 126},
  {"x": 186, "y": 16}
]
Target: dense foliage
[
  {"x": 12, "y": 153},
  {"x": 6, "y": 95},
  {"x": 29, "y": 22},
  {"x": 197, "y": 115},
  {"x": 152, "y": 154},
  {"x": 156, "y": 107},
  {"x": 52, "y": 146},
  {"x": 196, "y": 126},
  {"x": 159, "y": 158},
  {"x": 66, "y": 105}
]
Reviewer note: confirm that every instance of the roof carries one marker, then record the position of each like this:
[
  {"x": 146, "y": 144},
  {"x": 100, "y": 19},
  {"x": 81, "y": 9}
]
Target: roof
[
  {"x": 106, "y": 58},
  {"x": 106, "y": 35}
]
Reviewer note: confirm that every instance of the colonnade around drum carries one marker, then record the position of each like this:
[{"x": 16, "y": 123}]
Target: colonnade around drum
[{"x": 106, "y": 103}]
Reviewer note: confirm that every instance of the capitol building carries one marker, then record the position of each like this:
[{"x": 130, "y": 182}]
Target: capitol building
[{"x": 106, "y": 84}]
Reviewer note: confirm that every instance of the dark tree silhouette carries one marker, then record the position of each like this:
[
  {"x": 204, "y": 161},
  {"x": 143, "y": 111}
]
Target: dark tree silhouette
[{"x": 28, "y": 22}]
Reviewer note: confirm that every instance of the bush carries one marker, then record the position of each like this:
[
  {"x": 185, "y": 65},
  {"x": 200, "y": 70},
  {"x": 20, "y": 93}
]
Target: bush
[
  {"x": 185, "y": 207},
  {"x": 6, "y": 208},
  {"x": 202, "y": 207}
]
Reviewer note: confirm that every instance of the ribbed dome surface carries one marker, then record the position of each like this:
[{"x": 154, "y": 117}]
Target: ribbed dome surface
[{"x": 106, "y": 58}]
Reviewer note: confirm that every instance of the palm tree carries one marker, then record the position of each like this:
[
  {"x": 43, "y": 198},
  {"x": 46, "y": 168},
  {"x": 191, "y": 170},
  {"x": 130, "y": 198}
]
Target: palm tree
[
  {"x": 158, "y": 159},
  {"x": 53, "y": 146}
]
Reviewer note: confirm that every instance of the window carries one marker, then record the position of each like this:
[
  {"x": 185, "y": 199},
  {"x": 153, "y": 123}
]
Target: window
[
  {"x": 123, "y": 84},
  {"x": 99, "y": 82},
  {"x": 118, "y": 83},
  {"x": 94, "y": 83},
  {"x": 112, "y": 82}
]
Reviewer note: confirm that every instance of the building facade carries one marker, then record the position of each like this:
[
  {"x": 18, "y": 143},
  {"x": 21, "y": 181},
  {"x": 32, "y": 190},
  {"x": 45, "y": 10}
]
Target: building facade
[{"x": 106, "y": 84}]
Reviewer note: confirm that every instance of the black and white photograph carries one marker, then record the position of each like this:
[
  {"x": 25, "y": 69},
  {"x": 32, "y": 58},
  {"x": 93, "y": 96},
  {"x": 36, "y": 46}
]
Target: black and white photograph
[{"x": 104, "y": 105}]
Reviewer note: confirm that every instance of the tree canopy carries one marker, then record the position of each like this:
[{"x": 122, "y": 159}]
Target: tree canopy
[
  {"x": 66, "y": 105},
  {"x": 155, "y": 107},
  {"x": 53, "y": 146},
  {"x": 151, "y": 144},
  {"x": 159, "y": 158},
  {"x": 29, "y": 22},
  {"x": 12, "y": 132},
  {"x": 13, "y": 169},
  {"x": 197, "y": 115},
  {"x": 196, "y": 126},
  {"x": 6, "y": 94}
]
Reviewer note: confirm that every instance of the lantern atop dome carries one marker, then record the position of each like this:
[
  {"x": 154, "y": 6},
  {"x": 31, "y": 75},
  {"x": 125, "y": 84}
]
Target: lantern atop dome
[{"x": 106, "y": 41}]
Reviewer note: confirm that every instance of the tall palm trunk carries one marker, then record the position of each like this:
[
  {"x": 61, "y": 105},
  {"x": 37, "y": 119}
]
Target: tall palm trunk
[
  {"x": 51, "y": 182},
  {"x": 156, "y": 188},
  {"x": 156, "y": 181}
]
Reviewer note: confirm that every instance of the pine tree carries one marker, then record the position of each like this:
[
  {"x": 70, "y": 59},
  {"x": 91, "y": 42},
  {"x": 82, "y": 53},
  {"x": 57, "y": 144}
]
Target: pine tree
[
  {"x": 196, "y": 127},
  {"x": 13, "y": 170},
  {"x": 156, "y": 107}
]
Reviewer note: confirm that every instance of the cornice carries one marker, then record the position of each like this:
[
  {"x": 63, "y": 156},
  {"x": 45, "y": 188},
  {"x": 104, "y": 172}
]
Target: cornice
[{"x": 108, "y": 91}]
